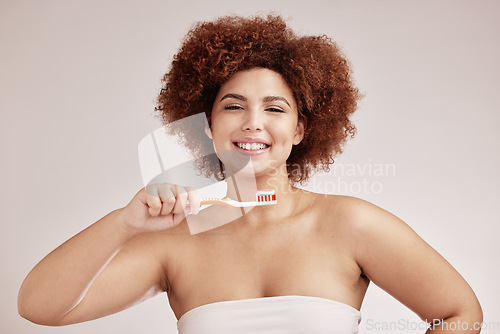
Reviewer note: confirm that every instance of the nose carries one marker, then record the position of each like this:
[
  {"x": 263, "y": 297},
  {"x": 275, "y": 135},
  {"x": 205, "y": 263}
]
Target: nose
[{"x": 252, "y": 121}]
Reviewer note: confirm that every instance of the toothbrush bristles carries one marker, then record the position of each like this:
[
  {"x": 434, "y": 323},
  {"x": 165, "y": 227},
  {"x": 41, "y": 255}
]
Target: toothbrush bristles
[{"x": 262, "y": 197}]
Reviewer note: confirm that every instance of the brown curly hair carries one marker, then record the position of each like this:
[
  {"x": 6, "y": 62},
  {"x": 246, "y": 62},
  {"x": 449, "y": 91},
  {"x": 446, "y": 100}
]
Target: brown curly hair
[{"x": 313, "y": 66}]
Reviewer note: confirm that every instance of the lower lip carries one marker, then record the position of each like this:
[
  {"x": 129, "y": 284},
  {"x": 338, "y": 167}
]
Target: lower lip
[{"x": 253, "y": 152}]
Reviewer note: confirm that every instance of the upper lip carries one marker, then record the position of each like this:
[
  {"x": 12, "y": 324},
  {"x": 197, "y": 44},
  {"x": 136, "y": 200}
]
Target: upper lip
[{"x": 251, "y": 140}]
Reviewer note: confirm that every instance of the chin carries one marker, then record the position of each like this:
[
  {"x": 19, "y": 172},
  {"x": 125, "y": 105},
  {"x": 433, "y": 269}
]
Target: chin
[{"x": 266, "y": 170}]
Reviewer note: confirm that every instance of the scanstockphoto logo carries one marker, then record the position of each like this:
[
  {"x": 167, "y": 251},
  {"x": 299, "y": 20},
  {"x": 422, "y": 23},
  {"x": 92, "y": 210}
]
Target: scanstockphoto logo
[
  {"x": 409, "y": 326},
  {"x": 355, "y": 178}
]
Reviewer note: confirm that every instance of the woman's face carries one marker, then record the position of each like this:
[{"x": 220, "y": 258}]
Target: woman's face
[{"x": 255, "y": 114}]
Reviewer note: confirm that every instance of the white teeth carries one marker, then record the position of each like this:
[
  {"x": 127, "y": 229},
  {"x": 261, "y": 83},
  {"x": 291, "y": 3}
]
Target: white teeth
[{"x": 252, "y": 146}]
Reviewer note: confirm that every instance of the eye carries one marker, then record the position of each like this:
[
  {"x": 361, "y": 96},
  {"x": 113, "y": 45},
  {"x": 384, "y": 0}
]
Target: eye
[
  {"x": 273, "y": 109},
  {"x": 233, "y": 107}
]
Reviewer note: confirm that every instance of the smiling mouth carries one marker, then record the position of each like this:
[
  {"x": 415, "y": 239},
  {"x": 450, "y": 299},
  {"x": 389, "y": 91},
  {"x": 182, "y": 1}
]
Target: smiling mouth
[{"x": 251, "y": 146}]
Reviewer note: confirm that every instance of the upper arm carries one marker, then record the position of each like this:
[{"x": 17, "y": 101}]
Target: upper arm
[
  {"x": 396, "y": 259},
  {"x": 134, "y": 274}
]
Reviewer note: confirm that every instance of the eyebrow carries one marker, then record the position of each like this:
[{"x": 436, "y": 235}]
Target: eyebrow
[
  {"x": 265, "y": 99},
  {"x": 276, "y": 98},
  {"x": 234, "y": 96}
]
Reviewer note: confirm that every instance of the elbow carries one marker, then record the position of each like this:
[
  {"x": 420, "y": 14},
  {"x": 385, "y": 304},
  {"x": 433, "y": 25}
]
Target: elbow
[
  {"x": 24, "y": 305},
  {"x": 477, "y": 319},
  {"x": 25, "y": 312},
  {"x": 468, "y": 320},
  {"x": 31, "y": 311},
  {"x": 37, "y": 318},
  {"x": 34, "y": 316},
  {"x": 473, "y": 315}
]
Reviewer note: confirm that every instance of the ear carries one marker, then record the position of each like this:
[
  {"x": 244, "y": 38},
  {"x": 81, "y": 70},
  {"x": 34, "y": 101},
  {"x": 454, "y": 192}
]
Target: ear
[
  {"x": 208, "y": 132},
  {"x": 299, "y": 132}
]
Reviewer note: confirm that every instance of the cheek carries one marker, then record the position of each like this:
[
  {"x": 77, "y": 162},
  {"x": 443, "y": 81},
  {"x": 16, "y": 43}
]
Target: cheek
[
  {"x": 284, "y": 131},
  {"x": 220, "y": 136},
  {"x": 220, "y": 123}
]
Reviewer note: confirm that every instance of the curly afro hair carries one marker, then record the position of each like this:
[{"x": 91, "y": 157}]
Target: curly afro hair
[{"x": 313, "y": 67}]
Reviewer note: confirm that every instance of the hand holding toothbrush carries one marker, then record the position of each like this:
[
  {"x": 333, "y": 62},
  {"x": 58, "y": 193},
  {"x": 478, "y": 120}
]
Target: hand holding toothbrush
[
  {"x": 162, "y": 206},
  {"x": 158, "y": 207}
]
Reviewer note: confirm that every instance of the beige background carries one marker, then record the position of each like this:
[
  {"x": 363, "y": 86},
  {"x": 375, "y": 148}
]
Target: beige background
[{"x": 78, "y": 81}]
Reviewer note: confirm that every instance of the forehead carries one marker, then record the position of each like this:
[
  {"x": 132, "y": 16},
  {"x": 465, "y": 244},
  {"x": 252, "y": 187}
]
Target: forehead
[{"x": 258, "y": 82}]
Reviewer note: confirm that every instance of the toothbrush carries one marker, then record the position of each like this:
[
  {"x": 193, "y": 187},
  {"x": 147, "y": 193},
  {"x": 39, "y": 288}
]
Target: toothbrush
[{"x": 263, "y": 197}]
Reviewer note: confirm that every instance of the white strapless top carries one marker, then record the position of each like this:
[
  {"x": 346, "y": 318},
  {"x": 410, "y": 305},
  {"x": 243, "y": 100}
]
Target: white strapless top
[{"x": 276, "y": 315}]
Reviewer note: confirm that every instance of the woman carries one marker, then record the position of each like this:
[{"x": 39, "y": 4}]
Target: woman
[{"x": 302, "y": 265}]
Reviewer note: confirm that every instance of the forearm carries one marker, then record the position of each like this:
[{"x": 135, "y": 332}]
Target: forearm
[{"x": 59, "y": 282}]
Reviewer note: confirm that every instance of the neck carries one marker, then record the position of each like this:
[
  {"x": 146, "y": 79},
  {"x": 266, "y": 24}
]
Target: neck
[{"x": 243, "y": 187}]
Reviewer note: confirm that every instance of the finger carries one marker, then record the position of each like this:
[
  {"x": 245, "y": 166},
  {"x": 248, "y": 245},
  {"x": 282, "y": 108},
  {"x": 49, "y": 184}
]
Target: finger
[
  {"x": 153, "y": 200},
  {"x": 177, "y": 218},
  {"x": 180, "y": 200},
  {"x": 194, "y": 200},
  {"x": 167, "y": 198}
]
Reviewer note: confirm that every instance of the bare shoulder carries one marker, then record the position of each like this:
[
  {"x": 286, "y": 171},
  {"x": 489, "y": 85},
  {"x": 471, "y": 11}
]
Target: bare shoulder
[
  {"x": 346, "y": 211},
  {"x": 349, "y": 204}
]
